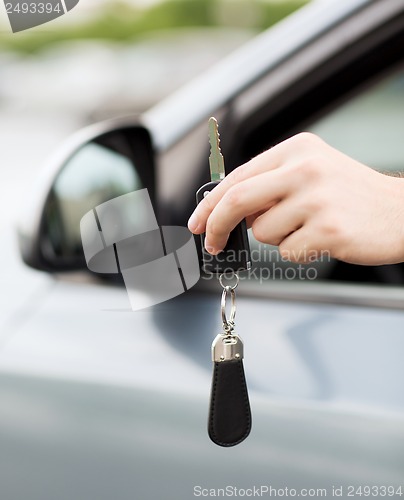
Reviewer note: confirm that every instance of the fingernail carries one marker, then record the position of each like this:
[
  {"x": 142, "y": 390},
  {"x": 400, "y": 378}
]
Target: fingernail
[{"x": 193, "y": 223}]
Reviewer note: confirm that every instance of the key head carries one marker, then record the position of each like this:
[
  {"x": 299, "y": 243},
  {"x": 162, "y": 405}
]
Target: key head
[
  {"x": 216, "y": 161},
  {"x": 236, "y": 255}
]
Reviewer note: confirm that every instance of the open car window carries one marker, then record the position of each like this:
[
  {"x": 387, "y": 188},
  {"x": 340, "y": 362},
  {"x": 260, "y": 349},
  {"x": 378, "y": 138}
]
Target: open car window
[{"x": 370, "y": 126}]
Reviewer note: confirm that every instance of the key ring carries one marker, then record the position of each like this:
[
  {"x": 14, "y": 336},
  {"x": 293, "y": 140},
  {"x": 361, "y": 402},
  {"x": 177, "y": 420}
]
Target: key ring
[
  {"x": 228, "y": 325},
  {"x": 233, "y": 275}
]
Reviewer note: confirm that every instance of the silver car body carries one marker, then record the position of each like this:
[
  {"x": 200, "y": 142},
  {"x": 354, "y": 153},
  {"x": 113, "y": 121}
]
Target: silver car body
[{"x": 100, "y": 402}]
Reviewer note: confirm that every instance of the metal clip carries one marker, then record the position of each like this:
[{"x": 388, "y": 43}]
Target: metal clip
[
  {"x": 228, "y": 324},
  {"x": 227, "y": 347}
]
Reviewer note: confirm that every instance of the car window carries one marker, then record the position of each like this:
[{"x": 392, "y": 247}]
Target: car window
[{"x": 369, "y": 127}]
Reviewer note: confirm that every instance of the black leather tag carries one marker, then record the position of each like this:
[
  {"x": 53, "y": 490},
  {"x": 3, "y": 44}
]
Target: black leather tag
[{"x": 229, "y": 414}]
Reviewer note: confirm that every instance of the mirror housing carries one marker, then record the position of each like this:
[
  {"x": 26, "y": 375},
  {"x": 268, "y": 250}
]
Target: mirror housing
[{"x": 98, "y": 163}]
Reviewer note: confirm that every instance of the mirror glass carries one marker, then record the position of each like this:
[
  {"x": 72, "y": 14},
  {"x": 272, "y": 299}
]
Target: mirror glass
[{"x": 98, "y": 171}]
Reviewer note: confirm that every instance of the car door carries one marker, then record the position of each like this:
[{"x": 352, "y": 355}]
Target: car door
[{"x": 102, "y": 402}]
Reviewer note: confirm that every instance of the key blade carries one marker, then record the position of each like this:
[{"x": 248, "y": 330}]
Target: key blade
[{"x": 216, "y": 161}]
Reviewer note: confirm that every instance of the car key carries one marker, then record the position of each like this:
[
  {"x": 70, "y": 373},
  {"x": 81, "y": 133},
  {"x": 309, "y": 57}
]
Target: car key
[
  {"x": 236, "y": 255},
  {"x": 229, "y": 421}
]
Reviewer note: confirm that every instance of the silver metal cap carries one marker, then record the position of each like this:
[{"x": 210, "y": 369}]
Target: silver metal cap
[{"x": 227, "y": 347}]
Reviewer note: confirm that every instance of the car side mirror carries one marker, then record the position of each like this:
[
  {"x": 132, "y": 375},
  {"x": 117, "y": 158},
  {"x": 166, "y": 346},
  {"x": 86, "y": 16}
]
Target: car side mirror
[{"x": 99, "y": 163}]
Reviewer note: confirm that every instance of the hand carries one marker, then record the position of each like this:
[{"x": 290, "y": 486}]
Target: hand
[{"x": 309, "y": 199}]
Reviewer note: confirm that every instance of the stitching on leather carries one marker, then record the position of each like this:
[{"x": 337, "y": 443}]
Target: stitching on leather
[
  {"x": 213, "y": 400},
  {"x": 246, "y": 399},
  {"x": 246, "y": 405}
]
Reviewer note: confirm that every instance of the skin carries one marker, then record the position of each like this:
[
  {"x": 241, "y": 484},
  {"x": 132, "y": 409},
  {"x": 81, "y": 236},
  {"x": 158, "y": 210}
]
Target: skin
[{"x": 308, "y": 199}]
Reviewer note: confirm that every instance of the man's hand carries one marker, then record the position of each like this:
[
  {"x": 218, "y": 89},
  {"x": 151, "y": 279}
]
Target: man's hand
[{"x": 307, "y": 198}]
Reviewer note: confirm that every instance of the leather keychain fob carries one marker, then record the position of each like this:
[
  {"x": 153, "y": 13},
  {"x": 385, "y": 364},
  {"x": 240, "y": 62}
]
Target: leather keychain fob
[
  {"x": 229, "y": 413},
  {"x": 229, "y": 420}
]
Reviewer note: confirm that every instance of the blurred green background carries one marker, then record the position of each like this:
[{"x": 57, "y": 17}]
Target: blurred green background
[{"x": 124, "y": 21}]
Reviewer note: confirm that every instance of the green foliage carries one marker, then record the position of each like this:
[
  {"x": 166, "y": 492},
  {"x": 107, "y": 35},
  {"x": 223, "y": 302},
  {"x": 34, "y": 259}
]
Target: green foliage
[
  {"x": 118, "y": 21},
  {"x": 276, "y": 11},
  {"x": 178, "y": 14}
]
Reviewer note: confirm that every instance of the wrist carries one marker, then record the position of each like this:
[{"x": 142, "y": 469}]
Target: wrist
[{"x": 396, "y": 250}]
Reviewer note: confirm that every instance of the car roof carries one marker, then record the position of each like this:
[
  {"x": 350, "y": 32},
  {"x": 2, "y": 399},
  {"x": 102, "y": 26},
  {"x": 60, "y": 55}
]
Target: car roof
[{"x": 176, "y": 115}]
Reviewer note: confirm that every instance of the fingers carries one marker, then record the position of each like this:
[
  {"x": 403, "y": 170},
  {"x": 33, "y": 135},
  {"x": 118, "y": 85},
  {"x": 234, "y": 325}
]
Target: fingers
[
  {"x": 296, "y": 148},
  {"x": 254, "y": 195},
  {"x": 251, "y": 218},
  {"x": 278, "y": 222},
  {"x": 304, "y": 246},
  {"x": 255, "y": 188},
  {"x": 267, "y": 161}
]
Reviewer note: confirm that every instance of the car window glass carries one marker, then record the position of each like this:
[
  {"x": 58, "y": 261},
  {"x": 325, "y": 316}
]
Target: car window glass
[{"x": 369, "y": 127}]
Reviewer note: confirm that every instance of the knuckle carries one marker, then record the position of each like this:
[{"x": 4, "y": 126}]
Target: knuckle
[
  {"x": 330, "y": 227},
  {"x": 334, "y": 231},
  {"x": 306, "y": 139},
  {"x": 215, "y": 229},
  {"x": 307, "y": 169},
  {"x": 258, "y": 230},
  {"x": 262, "y": 233},
  {"x": 310, "y": 161},
  {"x": 314, "y": 202},
  {"x": 234, "y": 197},
  {"x": 293, "y": 253},
  {"x": 238, "y": 174},
  {"x": 286, "y": 251}
]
